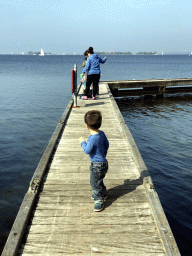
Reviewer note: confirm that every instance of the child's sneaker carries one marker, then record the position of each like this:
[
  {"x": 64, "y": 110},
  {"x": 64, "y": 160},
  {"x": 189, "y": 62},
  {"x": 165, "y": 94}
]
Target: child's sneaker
[
  {"x": 84, "y": 98},
  {"x": 93, "y": 98},
  {"x": 98, "y": 207}
]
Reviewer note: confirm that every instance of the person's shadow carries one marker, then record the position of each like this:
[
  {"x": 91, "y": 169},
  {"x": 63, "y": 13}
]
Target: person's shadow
[
  {"x": 118, "y": 191},
  {"x": 95, "y": 104}
]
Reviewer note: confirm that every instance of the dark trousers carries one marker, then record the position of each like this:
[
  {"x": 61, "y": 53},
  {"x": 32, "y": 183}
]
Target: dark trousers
[
  {"x": 92, "y": 79},
  {"x": 97, "y": 174}
]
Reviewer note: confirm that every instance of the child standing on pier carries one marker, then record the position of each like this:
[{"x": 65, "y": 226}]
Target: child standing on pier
[
  {"x": 96, "y": 146},
  {"x": 93, "y": 68}
]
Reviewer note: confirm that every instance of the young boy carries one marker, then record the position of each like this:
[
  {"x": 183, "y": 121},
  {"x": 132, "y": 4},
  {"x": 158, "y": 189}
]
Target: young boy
[{"x": 96, "y": 146}]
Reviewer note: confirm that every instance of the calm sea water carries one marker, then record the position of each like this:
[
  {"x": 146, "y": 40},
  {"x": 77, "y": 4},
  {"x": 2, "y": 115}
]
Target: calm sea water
[{"x": 34, "y": 92}]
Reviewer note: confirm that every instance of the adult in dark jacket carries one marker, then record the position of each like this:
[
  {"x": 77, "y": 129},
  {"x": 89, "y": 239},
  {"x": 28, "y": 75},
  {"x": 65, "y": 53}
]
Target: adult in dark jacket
[{"x": 93, "y": 69}]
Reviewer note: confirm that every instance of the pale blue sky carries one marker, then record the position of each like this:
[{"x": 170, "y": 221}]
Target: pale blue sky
[{"x": 71, "y": 26}]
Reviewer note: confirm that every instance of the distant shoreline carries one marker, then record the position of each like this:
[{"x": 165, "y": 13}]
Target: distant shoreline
[
  {"x": 126, "y": 53},
  {"x": 99, "y": 53}
]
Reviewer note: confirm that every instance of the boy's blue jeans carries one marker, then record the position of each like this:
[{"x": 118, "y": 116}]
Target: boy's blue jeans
[{"x": 98, "y": 172}]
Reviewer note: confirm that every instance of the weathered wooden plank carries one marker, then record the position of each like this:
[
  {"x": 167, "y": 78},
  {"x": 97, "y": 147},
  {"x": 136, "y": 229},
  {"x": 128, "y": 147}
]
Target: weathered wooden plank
[
  {"x": 125, "y": 164},
  {"x": 86, "y": 220},
  {"x": 49, "y": 202},
  {"x": 127, "y": 236},
  {"x": 109, "y": 181},
  {"x": 62, "y": 154},
  {"x": 112, "y": 186},
  {"x": 82, "y": 245},
  {"x": 84, "y": 176},
  {"x": 77, "y": 169},
  {"x": 93, "y": 229},
  {"x": 68, "y": 202},
  {"x": 158, "y": 91},
  {"x": 132, "y": 217},
  {"x": 131, "y": 208},
  {"x": 112, "y": 193},
  {"x": 149, "y": 83},
  {"x": 94, "y": 251},
  {"x": 85, "y": 207},
  {"x": 60, "y": 162},
  {"x": 113, "y": 148},
  {"x": 143, "y": 241},
  {"x": 60, "y": 165}
]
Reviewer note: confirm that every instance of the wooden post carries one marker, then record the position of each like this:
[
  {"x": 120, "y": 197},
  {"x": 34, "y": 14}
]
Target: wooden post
[
  {"x": 75, "y": 91},
  {"x": 75, "y": 85}
]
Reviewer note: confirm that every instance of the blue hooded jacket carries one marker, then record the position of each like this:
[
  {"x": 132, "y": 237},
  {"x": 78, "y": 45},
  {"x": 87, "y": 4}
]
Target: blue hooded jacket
[
  {"x": 93, "y": 64},
  {"x": 96, "y": 146}
]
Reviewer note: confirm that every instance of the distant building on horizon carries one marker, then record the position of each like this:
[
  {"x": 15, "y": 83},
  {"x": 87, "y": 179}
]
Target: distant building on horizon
[
  {"x": 113, "y": 53},
  {"x": 146, "y": 53}
]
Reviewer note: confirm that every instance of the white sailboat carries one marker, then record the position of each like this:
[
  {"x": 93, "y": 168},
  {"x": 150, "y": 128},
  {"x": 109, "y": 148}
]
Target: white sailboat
[{"x": 42, "y": 53}]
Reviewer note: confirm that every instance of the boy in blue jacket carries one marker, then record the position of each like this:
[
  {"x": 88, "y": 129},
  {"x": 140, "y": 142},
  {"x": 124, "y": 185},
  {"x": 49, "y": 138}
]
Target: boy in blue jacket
[{"x": 96, "y": 146}]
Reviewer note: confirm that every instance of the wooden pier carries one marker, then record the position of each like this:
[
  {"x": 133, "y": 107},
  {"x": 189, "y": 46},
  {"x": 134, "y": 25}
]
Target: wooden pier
[
  {"x": 57, "y": 216},
  {"x": 151, "y": 87}
]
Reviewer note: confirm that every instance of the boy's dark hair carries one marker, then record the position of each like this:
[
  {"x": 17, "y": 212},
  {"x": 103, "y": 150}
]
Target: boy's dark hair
[{"x": 93, "y": 119}]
